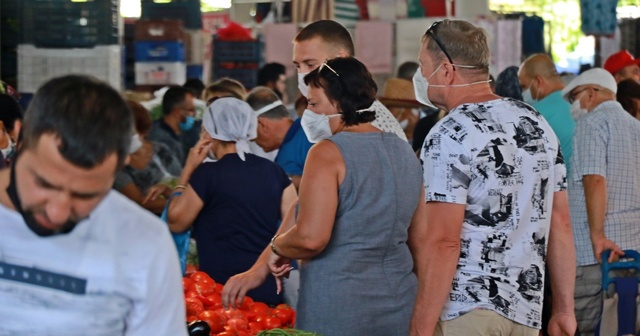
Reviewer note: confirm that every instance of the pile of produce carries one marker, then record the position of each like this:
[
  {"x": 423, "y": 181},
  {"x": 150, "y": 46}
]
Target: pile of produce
[{"x": 204, "y": 303}]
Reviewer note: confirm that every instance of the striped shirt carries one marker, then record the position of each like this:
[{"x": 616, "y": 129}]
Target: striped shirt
[{"x": 606, "y": 143}]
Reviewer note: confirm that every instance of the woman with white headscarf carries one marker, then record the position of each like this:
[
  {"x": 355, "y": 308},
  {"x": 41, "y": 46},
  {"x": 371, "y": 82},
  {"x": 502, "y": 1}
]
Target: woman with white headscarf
[{"x": 234, "y": 205}]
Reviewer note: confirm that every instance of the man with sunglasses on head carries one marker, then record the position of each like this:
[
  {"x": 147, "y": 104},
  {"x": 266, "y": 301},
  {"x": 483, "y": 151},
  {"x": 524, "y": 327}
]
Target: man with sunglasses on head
[
  {"x": 604, "y": 185},
  {"x": 497, "y": 207},
  {"x": 326, "y": 39}
]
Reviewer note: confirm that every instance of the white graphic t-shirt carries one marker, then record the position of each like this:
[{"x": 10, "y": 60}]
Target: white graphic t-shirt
[{"x": 501, "y": 159}]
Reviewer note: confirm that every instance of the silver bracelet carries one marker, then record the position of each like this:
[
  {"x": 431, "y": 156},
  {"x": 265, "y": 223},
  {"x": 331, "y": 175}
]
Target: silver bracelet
[{"x": 273, "y": 245}]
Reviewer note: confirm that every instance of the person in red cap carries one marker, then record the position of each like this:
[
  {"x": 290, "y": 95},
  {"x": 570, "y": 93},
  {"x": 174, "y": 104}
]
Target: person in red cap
[{"x": 622, "y": 65}]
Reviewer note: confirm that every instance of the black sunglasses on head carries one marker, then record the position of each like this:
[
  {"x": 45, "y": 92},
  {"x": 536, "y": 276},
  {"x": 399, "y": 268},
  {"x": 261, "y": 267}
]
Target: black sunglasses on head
[{"x": 432, "y": 32}]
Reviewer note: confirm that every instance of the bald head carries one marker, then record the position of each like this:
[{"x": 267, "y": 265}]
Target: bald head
[
  {"x": 538, "y": 65},
  {"x": 538, "y": 74}
]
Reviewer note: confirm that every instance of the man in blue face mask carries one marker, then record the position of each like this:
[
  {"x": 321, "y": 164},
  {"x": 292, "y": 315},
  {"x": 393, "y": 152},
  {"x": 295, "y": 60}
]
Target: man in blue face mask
[
  {"x": 495, "y": 198},
  {"x": 177, "y": 128}
]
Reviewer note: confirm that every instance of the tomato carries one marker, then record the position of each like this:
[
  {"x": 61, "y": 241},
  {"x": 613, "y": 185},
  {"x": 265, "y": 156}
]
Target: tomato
[
  {"x": 191, "y": 318},
  {"x": 242, "y": 333},
  {"x": 232, "y": 313},
  {"x": 205, "y": 289},
  {"x": 284, "y": 306},
  {"x": 237, "y": 323},
  {"x": 219, "y": 287},
  {"x": 255, "y": 327},
  {"x": 272, "y": 322},
  {"x": 201, "y": 277},
  {"x": 186, "y": 284},
  {"x": 246, "y": 303},
  {"x": 285, "y": 315},
  {"x": 260, "y": 307},
  {"x": 214, "y": 320},
  {"x": 190, "y": 269},
  {"x": 227, "y": 333},
  {"x": 194, "y": 306},
  {"x": 212, "y": 302}
]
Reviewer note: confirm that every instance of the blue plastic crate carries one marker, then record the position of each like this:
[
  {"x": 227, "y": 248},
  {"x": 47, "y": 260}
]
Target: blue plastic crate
[
  {"x": 186, "y": 10},
  {"x": 150, "y": 51},
  {"x": 237, "y": 51},
  {"x": 195, "y": 71},
  {"x": 69, "y": 24}
]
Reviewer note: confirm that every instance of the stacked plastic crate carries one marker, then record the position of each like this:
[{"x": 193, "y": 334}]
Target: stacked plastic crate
[
  {"x": 9, "y": 28},
  {"x": 60, "y": 37},
  {"x": 160, "y": 54},
  {"x": 189, "y": 12},
  {"x": 239, "y": 60}
]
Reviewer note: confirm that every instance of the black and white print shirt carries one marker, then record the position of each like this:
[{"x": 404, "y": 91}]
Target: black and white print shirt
[{"x": 502, "y": 160}]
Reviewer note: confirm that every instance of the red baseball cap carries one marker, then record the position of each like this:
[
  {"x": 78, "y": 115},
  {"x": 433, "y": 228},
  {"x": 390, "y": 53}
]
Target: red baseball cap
[{"x": 619, "y": 60}]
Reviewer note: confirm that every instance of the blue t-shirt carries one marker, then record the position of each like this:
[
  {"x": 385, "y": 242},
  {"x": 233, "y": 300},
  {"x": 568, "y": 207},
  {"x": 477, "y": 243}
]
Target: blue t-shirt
[
  {"x": 294, "y": 149},
  {"x": 241, "y": 214},
  {"x": 557, "y": 112}
]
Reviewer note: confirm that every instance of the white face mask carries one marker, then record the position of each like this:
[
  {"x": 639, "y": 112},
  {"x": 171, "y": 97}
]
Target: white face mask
[
  {"x": 420, "y": 87},
  {"x": 136, "y": 143},
  {"x": 421, "y": 84},
  {"x": 577, "y": 112},
  {"x": 6, "y": 152},
  {"x": 316, "y": 126},
  {"x": 304, "y": 88},
  {"x": 527, "y": 97}
]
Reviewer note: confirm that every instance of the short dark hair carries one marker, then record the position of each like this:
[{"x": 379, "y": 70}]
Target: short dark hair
[
  {"x": 10, "y": 111},
  {"x": 89, "y": 117},
  {"x": 352, "y": 87},
  {"x": 195, "y": 85},
  {"x": 406, "y": 70},
  {"x": 174, "y": 97},
  {"x": 329, "y": 31},
  {"x": 270, "y": 72},
  {"x": 627, "y": 90},
  {"x": 262, "y": 96}
]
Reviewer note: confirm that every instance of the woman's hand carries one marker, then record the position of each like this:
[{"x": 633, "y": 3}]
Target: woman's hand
[
  {"x": 280, "y": 267},
  {"x": 198, "y": 153},
  {"x": 155, "y": 191},
  {"x": 238, "y": 285}
]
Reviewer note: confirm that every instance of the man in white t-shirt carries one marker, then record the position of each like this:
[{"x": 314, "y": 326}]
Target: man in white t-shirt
[
  {"x": 496, "y": 202},
  {"x": 77, "y": 258}
]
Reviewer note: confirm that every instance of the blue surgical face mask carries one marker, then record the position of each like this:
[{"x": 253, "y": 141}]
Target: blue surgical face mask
[{"x": 187, "y": 124}]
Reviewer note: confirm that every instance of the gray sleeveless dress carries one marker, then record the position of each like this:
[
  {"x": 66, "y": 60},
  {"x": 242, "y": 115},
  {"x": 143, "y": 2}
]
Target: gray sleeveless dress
[{"x": 362, "y": 283}]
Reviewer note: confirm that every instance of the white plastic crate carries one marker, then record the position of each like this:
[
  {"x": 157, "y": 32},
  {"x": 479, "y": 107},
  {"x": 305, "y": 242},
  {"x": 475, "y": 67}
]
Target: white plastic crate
[
  {"x": 38, "y": 65},
  {"x": 161, "y": 73}
]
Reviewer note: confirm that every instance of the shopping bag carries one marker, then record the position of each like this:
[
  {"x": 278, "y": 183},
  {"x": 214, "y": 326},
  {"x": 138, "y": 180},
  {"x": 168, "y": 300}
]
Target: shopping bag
[
  {"x": 181, "y": 240},
  {"x": 620, "y": 307}
]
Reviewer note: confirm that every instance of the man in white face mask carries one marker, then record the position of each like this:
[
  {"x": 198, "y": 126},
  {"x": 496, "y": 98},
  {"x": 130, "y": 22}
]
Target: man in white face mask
[
  {"x": 604, "y": 186},
  {"x": 541, "y": 88},
  {"x": 326, "y": 39},
  {"x": 496, "y": 202}
]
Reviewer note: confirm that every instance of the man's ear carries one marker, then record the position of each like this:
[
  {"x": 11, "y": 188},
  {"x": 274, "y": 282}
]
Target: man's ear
[
  {"x": 449, "y": 72},
  {"x": 263, "y": 126}
]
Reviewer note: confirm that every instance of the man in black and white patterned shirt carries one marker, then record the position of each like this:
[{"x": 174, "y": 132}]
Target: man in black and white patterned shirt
[
  {"x": 497, "y": 207},
  {"x": 326, "y": 39}
]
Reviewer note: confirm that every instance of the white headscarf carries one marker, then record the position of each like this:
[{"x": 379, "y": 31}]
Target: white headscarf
[{"x": 231, "y": 119}]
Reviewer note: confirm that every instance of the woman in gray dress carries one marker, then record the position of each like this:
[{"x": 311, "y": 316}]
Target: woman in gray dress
[{"x": 360, "y": 198}]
